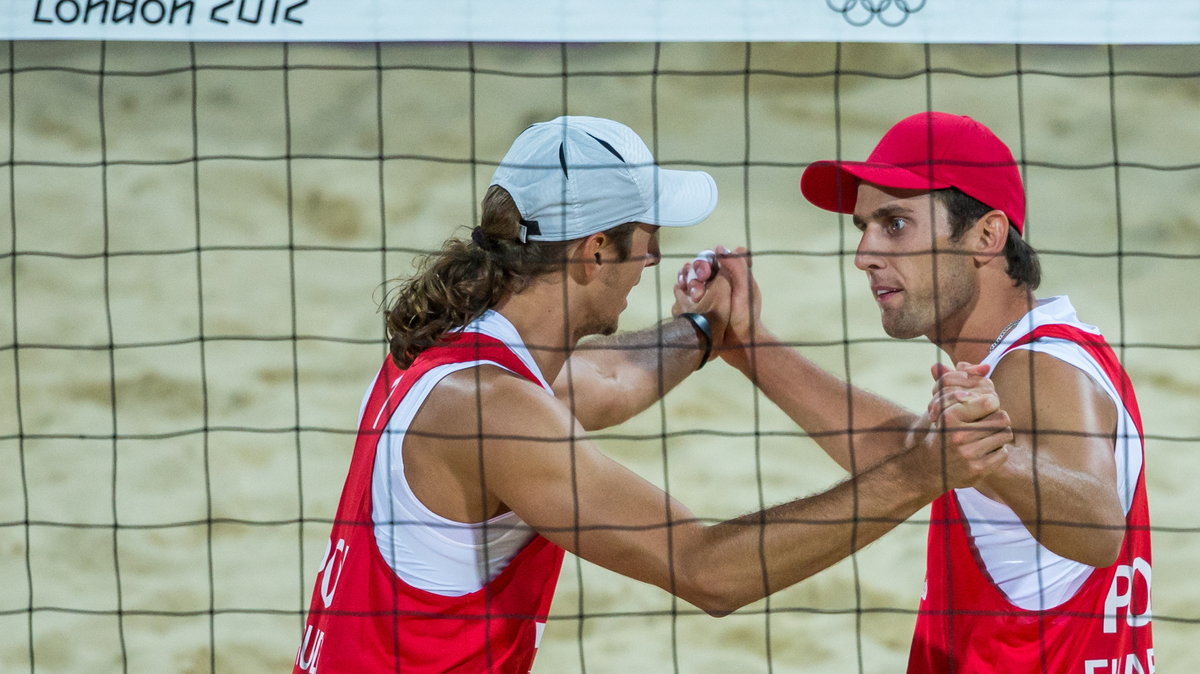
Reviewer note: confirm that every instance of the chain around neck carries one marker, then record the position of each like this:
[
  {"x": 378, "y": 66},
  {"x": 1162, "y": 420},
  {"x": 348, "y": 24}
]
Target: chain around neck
[{"x": 1003, "y": 333}]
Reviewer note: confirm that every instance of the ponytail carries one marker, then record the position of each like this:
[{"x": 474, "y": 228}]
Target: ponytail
[{"x": 456, "y": 285}]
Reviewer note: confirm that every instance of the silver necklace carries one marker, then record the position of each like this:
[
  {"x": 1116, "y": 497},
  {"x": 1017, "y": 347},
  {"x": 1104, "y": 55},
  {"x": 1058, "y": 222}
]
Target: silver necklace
[{"x": 1003, "y": 333}]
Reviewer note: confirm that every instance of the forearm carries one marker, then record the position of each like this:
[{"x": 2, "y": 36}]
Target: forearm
[
  {"x": 745, "y": 559},
  {"x": 612, "y": 378},
  {"x": 826, "y": 406}
]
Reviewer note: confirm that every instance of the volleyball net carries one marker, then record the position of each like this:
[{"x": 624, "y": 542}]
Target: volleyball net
[{"x": 200, "y": 205}]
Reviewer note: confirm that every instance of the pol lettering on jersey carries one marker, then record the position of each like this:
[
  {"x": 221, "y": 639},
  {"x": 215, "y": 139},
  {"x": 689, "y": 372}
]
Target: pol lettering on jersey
[{"x": 1119, "y": 598}]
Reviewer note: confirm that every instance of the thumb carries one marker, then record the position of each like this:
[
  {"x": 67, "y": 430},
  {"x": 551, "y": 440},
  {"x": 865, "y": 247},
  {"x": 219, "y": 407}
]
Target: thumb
[
  {"x": 938, "y": 370},
  {"x": 978, "y": 369}
]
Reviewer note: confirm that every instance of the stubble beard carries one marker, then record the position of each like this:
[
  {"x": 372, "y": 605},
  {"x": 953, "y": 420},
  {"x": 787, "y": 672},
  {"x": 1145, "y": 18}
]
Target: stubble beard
[
  {"x": 605, "y": 328},
  {"x": 918, "y": 316},
  {"x": 597, "y": 325},
  {"x": 601, "y": 324},
  {"x": 905, "y": 323}
]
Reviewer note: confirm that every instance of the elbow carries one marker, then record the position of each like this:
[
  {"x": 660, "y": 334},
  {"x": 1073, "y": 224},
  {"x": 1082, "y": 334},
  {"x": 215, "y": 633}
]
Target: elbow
[
  {"x": 714, "y": 604},
  {"x": 1106, "y": 542},
  {"x": 711, "y": 592},
  {"x": 1105, "y": 549},
  {"x": 596, "y": 419},
  {"x": 593, "y": 412},
  {"x": 600, "y": 408},
  {"x": 589, "y": 423},
  {"x": 1098, "y": 547},
  {"x": 1098, "y": 559}
]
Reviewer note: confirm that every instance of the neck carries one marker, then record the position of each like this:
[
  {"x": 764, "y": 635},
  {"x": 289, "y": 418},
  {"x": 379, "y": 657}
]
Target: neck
[
  {"x": 539, "y": 315},
  {"x": 972, "y": 339}
]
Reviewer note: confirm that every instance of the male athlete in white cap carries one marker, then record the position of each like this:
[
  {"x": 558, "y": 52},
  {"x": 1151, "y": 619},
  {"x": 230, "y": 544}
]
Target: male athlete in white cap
[{"x": 472, "y": 473}]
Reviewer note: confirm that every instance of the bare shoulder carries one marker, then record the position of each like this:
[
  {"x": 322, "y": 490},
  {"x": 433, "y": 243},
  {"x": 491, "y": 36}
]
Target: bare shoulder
[
  {"x": 1051, "y": 392},
  {"x": 481, "y": 425},
  {"x": 495, "y": 400}
]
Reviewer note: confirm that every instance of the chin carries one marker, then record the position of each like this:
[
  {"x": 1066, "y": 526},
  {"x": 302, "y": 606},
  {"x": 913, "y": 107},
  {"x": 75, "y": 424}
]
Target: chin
[
  {"x": 901, "y": 330},
  {"x": 598, "y": 327}
]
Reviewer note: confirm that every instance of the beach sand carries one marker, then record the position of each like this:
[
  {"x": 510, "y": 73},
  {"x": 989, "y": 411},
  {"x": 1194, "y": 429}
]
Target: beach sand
[{"x": 178, "y": 413}]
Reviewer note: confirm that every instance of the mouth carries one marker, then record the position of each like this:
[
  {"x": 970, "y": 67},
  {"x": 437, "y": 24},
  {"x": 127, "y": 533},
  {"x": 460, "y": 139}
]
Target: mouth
[{"x": 885, "y": 294}]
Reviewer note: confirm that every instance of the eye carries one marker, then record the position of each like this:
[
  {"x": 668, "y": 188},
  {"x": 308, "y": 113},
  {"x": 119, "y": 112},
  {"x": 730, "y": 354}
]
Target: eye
[{"x": 897, "y": 224}]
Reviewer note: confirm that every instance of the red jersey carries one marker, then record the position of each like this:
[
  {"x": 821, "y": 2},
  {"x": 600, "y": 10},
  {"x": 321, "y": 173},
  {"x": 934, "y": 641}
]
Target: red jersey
[
  {"x": 364, "y": 619},
  {"x": 966, "y": 624}
]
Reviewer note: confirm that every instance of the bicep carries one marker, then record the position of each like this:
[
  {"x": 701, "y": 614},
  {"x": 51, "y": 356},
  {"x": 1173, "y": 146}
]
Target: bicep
[
  {"x": 1059, "y": 413},
  {"x": 1061, "y": 476}
]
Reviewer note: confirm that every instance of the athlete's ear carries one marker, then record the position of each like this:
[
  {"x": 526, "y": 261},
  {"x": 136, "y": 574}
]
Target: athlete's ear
[
  {"x": 586, "y": 259},
  {"x": 991, "y": 235}
]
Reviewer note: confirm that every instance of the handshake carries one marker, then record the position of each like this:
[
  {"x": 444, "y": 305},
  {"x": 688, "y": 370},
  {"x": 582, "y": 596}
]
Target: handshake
[{"x": 961, "y": 436}]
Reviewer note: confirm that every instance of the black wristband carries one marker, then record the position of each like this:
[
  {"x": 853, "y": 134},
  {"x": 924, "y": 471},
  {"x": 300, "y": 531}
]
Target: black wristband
[{"x": 699, "y": 322}]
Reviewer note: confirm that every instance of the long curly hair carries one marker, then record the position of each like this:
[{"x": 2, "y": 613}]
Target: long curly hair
[{"x": 455, "y": 285}]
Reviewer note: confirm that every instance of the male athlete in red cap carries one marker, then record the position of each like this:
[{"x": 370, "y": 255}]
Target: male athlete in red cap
[{"x": 1044, "y": 565}]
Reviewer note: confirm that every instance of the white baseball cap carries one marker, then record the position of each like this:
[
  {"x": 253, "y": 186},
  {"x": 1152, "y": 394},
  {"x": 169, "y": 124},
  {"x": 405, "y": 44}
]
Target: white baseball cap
[{"x": 575, "y": 176}]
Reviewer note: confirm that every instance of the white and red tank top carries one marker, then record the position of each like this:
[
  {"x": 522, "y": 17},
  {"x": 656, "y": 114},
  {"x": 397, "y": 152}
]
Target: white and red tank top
[
  {"x": 995, "y": 600},
  {"x": 364, "y": 618}
]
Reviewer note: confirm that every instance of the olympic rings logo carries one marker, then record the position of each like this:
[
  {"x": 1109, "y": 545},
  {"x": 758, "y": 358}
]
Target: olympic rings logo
[{"x": 862, "y": 12}]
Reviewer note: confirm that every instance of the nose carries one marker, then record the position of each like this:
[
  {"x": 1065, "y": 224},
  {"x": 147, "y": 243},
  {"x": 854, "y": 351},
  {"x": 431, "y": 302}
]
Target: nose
[
  {"x": 866, "y": 258},
  {"x": 653, "y": 257}
]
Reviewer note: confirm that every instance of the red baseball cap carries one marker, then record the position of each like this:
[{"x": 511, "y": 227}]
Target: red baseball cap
[{"x": 927, "y": 151}]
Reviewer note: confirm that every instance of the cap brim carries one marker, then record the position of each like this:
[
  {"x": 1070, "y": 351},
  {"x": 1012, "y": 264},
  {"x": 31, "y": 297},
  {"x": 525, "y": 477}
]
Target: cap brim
[
  {"x": 684, "y": 198},
  {"x": 833, "y": 185}
]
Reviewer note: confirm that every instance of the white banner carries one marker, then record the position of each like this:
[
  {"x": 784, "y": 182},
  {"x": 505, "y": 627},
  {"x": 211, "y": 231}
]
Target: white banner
[{"x": 949, "y": 21}]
